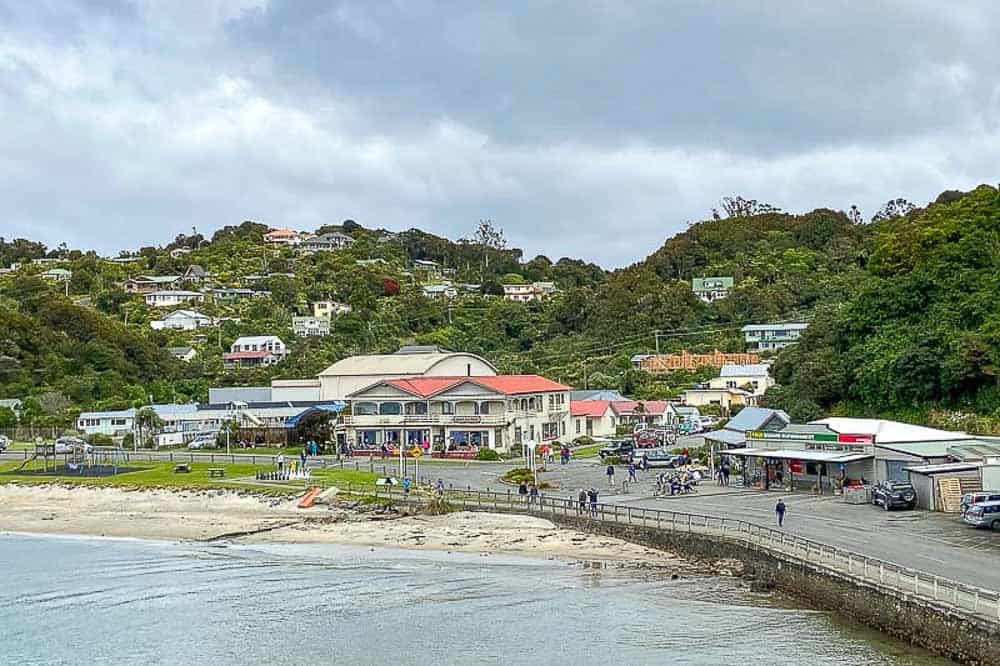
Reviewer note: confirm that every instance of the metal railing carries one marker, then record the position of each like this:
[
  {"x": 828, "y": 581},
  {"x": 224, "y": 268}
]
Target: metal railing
[{"x": 862, "y": 568}]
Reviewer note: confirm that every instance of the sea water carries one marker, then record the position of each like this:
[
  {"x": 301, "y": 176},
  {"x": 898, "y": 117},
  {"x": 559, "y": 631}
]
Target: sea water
[{"x": 111, "y": 601}]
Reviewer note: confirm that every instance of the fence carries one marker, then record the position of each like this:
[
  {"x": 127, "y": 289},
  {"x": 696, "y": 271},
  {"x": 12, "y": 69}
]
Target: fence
[
  {"x": 28, "y": 433},
  {"x": 789, "y": 547}
]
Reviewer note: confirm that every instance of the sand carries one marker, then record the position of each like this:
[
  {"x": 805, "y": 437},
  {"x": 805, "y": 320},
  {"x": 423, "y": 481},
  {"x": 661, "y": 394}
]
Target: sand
[{"x": 209, "y": 514}]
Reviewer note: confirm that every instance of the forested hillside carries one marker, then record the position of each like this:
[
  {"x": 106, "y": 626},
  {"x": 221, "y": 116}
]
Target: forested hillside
[{"x": 903, "y": 310}]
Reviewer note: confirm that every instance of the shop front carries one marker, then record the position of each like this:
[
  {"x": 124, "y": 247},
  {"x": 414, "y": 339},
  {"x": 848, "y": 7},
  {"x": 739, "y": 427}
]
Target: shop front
[{"x": 821, "y": 472}]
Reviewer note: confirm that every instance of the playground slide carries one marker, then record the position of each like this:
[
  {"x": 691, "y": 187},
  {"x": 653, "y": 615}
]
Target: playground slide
[{"x": 310, "y": 497}]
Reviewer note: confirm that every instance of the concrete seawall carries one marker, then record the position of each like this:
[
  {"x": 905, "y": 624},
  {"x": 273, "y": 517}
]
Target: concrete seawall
[{"x": 936, "y": 627}]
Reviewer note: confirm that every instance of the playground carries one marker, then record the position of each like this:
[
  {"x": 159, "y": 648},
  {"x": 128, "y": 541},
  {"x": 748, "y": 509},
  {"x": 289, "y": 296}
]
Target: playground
[{"x": 77, "y": 462}]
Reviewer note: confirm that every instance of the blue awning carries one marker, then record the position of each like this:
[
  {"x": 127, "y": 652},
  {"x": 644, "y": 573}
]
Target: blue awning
[{"x": 332, "y": 408}]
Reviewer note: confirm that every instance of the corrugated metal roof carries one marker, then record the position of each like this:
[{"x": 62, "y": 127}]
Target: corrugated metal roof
[
  {"x": 886, "y": 431},
  {"x": 942, "y": 468},
  {"x": 754, "y": 418},
  {"x": 394, "y": 364},
  {"x": 794, "y": 454},
  {"x": 588, "y": 407},
  {"x": 754, "y": 370}
]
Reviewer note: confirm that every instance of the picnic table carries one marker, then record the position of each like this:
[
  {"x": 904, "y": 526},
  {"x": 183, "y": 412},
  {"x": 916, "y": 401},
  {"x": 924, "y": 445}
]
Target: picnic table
[{"x": 216, "y": 472}]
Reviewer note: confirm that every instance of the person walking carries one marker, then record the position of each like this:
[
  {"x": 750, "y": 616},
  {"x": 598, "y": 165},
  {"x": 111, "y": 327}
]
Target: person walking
[
  {"x": 302, "y": 458},
  {"x": 631, "y": 472},
  {"x": 592, "y": 496},
  {"x": 779, "y": 512},
  {"x": 439, "y": 488},
  {"x": 280, "y": 461},
  {"x": 611, "y": 475},
  {"x": 582, "y": 499},
  {"x": 406, "y": 487},
  {"x": 522, "y": 491},
  {"x": 532, "y": 495}
]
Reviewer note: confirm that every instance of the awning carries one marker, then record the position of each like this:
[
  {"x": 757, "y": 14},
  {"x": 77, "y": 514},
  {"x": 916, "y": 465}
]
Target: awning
[
  {"x": 813, "y": 456},
  {"x": 332, "y": 407},
  {"x": 943, "y": 468}
]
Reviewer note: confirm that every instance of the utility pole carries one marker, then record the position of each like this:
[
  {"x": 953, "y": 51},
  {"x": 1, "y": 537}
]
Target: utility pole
[{"x": 656, "y": 335}]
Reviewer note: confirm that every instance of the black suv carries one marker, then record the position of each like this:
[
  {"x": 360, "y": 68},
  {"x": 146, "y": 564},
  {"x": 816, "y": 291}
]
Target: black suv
[
  {"x": 623, "y": 449},
  {"x": 894, "y": 494}
]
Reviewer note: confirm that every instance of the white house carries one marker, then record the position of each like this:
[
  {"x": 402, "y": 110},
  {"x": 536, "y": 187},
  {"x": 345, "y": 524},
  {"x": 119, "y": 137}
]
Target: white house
[
  {"x": 535, "y": 291},
  {"x": 726, "y": 399},
  {"x": 147, "y": 284},
  {"x": 771, "y": 337},
  {"x": 58, "y": 275},
  {"x": 309, "y": 326},
  {"x": 254, "y": 351},
  {"x": 168, "y": 299},
  {"x": 186, "y": 354},
  {"x": 329, "y": 309},
  {"x": 592, "y": 418},
  {"x": 325, "y": 242},
  {"x": 440, "y": 291},
  {"x": 356, "y": 372},
  {"x": 457, "y": 413},
  {"x": 710, "y": 289},
  {"x": 182, "y": 320},
  {"x": 755, "y": 378},
  {"x": 282, "y": 237}
]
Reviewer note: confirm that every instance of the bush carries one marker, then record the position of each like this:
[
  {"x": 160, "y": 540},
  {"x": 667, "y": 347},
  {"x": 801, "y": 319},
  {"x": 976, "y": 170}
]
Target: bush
[
  {"x": 128, "y": 440},
  {"x": 613, "y": 460},
  {"x": 584, "y": 440},
  {"x": 487, "y": 454},
  {"x": 100, "y": 439}
]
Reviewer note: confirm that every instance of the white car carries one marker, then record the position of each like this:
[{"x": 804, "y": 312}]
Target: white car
[
  {"x": 4, "y": 442},
  {"x": 707, "y": 422},
  {"x": 202, "y": 442},
  {"x": 68, "y": 444}
]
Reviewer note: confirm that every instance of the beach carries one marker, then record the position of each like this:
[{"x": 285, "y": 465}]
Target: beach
[{"x": 224, "y": 514}]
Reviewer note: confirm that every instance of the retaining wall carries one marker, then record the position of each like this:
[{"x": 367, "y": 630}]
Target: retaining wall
[{"x": 936, "y": 627}]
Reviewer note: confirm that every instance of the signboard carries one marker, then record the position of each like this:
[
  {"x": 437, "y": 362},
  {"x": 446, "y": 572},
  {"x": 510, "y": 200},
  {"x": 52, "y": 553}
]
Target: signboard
[{"x": 841, "y": 438}]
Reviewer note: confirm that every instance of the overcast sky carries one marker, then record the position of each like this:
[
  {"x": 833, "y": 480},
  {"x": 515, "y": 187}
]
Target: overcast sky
[{"x": 590, "y": 129}]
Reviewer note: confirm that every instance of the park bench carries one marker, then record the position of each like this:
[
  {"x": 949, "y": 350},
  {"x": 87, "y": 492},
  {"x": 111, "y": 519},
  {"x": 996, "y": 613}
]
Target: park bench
[
  {"x": 216, "y": 472},
  {"x": 183, "y": 468}
]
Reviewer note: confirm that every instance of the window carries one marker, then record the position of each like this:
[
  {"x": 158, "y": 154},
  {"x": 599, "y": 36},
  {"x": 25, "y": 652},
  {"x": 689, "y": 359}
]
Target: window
[
  {"x": 390, "y": 408},
  {"x": 531, "y": 432},
  {"x": 484, "y": 408},
  {"x": 578, "y": 426},
  {"x": 550, "y": 430},
  {"x": 447, "y": 408},
  {"x": 365, "y": 409}
]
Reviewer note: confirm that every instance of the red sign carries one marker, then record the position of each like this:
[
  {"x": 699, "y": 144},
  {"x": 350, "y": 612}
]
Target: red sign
[{"x": 845, "y": 438}]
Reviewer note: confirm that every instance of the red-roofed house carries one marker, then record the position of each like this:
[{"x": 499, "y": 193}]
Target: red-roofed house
[
  {"x": 652, "y": 413},
  {"x": 593, "y": 418},
  {"x": 457, "y": 413}
]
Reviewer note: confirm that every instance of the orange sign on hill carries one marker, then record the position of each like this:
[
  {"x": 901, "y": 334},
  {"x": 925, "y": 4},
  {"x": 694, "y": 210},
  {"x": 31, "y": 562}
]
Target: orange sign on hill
[{"x": 688, "y": 361}]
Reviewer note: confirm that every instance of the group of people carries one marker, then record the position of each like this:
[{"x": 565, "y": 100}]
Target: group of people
[
  {"x": 587, "y": 502},
  {"x": 528, "y": 492},
  {"x": 723, "y": 472},
  {"x": 677, "y": 484}
]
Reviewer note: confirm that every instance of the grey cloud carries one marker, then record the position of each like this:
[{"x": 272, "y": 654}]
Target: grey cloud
[{"x": 583, "y": 129}]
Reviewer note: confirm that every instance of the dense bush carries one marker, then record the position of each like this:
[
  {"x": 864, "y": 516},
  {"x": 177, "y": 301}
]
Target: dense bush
[{"x": 487, "y": 454}]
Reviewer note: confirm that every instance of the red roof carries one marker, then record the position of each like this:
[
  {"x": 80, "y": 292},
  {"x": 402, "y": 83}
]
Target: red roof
[
  {"x": 649, "y": 406},
  {"x": 588, "y": 407},
  {"x": 506, "y": 384}
]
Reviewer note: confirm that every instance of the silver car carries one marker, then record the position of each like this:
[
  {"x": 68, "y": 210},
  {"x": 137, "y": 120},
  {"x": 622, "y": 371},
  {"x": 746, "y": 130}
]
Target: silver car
[
  {"x": 984, "y": 514},
  {"x": 4, "y": 442}
]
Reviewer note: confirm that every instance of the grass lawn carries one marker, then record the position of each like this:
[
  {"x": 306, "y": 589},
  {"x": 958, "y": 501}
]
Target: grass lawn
[
  {"x": 586, "y": 451},
  {"x": 162, "y": 475}
]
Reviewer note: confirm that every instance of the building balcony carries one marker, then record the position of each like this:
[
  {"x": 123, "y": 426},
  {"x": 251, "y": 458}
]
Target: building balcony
[{"x": 417, "y": 420}]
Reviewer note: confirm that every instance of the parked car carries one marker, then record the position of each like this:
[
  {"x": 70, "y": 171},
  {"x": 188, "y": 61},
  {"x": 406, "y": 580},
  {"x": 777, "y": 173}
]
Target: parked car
[
  {"x": 69, "y": 444},
  {"x": 623, "y": 449},
  {"x": 4, "y": 442},
  {"x": 203, "y": 441},
  {"x": 971, "y": 499},
  {"x": 983, "y": 514},
  {"x": 894, "y": 494},
  {"x": 659, "y": 458},
  {"x": 707, "y": 422}
]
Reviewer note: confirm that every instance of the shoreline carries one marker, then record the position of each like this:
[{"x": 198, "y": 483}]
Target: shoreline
[{"x": 244, "y": 518}]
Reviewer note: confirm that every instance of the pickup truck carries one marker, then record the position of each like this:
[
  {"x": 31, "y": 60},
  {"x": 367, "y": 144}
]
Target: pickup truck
[{"x": 623, "y": 449}]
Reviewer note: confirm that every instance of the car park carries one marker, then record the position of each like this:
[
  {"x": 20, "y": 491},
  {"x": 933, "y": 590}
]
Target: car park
[
  {"x": 983, "y": 514},
  {"x": 894, "y": 495},
  {"x": 971, "y": 499}
]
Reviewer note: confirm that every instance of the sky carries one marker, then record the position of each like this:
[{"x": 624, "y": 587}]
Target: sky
[{"x": 583, "y": 129}]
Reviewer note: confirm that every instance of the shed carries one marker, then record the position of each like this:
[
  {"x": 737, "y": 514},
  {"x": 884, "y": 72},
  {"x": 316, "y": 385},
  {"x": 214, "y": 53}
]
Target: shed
[{"x": 937, "y": 485}]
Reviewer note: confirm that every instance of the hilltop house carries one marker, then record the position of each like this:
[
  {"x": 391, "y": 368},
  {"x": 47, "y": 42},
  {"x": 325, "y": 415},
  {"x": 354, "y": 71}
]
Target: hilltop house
[
  {"x": 254, "y": 351},
  {"x": 282, "y": 237},
  {"x": 534, "y": 291},
  {"x": 182, "y": 320},
  {"x": 167, "y": 299},
  {"x": 711, "y": 289},
  {"x": 229, "y": 294},
  {"x": 311, "y": 326},
  {"x": 457, "y": 413},
  {"x": 58, "y": 275},
  {"x": 147, "y": 284},
  {"x": 325, "y": 242},
  {"x": 356, "y": 372},
  {"x": 754, "y": 378},
  {"x": 771, "y": 337},
  {"x": 427, "y": 268},
  {"x": 195, "y": 273},
  {"x": 726, "y": 399},
  {"x": 329, "y": 309},
  {"x": 186, "y": 354},
  {"x": 436, "y": 291}
]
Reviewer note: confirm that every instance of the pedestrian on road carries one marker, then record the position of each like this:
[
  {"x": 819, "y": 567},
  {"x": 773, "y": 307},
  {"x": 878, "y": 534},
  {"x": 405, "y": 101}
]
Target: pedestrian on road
[
  {"x": 631, "y": 472},
  {"x": 592, "y": 495},
  {"x": 611, "y": 475},
  {"x": 302, "y": 458},
  {"x": 533, "y": 495},
  {"x": 522, "y": 491},
  {"x": 439, "y": 488},
  {"x": 582, "y": 498},
  {"x": 779, "y": 511}
]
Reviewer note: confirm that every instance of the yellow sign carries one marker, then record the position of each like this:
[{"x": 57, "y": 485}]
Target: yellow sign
[{"x": 415, "y": 452}]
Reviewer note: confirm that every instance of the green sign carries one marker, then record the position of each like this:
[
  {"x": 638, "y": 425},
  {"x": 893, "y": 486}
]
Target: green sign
[{"x": 793, "y": 436}]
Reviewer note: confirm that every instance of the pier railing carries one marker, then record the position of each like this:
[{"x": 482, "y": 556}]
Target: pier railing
[{"x": 863, "y": 568}]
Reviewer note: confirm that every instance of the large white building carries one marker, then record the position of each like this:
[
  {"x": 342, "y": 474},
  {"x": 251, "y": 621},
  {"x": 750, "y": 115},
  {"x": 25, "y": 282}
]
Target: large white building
[
  {"x": 255, "y": 350},
  {"x": 354, "y": 373},
  {"x": 173, "y": 298},
  {"x": 772, "y": 337},
  {"x": 311, "y": 326},
  {"x": 755, "y": 378},
  {"x": 457, "y": 413}
]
